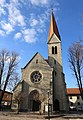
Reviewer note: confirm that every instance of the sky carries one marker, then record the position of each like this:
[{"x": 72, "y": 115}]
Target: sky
[{"x": 24, "y": 26}]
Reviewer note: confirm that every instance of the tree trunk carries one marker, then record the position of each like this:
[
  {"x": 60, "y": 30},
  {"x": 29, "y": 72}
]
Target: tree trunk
[
  {"x": 1, "y": 73},
  {"x": 3, "y": 91}
]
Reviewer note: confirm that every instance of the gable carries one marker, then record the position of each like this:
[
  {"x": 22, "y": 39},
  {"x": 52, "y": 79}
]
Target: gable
[
  {"x": 37, "y": 66},
  {"x": 54, "y": 39},
  {"x": 37, "y": 61}
]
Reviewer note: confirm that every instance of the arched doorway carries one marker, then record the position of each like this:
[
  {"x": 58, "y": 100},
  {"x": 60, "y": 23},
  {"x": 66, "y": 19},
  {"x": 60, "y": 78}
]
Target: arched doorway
[
  {"x": 36, "y": 105},
  {"x": 56, "y": 105},
  {"x": 34, "y": 102}
]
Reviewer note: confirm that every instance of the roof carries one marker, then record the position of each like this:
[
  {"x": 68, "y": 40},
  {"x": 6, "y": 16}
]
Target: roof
[
  {"x": 73, "y": 91},
  {"x": 29, "y": 61},
  {"x": 33, "y": 58},
  {"x": 46, "y": 60},
  {"x": 7, "y": 96},
  {"x": 53, "y": 27}
]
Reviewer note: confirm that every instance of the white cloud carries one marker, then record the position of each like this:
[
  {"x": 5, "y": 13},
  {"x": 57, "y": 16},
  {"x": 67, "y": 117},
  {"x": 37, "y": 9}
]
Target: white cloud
[
  {"x": 18, "y": 58},
  {"x": 2, "y": 11},
  {"x": 33, "y": 22},
  {"x": 15, "y": 17},
  {"x": 2, "y": 6},
  {"x": 29, "y": 25},
  {"x": 18, "y": 35},
  {"x": 29, "y": 35},
  {"x": 15, "y": 1},
  {"x": 39, "y": 22},
  {"x": 39, "y": 2},
  {"x": 7, "y": 27},
  {"x": 2, "y": 2},
  {"x": 2, "y": 33}
]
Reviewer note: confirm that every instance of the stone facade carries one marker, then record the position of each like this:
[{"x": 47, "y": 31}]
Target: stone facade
[
  {"x": 41, "y": 88},
  {"x": 55, "y": 61},
  {"x": 43, "y": 81}
]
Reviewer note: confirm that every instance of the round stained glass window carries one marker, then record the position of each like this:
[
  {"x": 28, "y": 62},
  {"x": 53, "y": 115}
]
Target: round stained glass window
[{"x": 36, "y": 76}]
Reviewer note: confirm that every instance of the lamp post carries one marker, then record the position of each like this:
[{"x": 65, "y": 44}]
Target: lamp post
[{"x": 48, "y": 106}]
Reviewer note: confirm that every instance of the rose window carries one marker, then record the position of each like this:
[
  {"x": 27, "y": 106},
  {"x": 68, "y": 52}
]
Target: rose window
[{"x": 36, "y": 76}]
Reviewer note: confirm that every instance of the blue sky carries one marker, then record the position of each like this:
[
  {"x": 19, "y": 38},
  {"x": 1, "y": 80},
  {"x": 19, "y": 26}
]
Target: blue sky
[{"x": 24, "y": 26}]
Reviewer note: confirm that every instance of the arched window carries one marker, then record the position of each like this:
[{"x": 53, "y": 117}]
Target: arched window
[
  {"x": 55, "y": 49},
  {"x": 36, "y": 76},
  {"x": 36, "y": 61},
  {"x": 52, "y": 50}
]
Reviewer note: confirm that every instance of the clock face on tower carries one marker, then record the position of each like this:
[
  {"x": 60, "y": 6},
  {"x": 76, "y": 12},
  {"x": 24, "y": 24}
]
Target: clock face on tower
[{"x": 36, "y": 76}]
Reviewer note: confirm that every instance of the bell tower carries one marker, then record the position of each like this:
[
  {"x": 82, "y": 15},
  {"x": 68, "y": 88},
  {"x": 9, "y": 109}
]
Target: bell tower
[
  {"x": 60, "y": 101},
  {"x": 54, "y": 44}
]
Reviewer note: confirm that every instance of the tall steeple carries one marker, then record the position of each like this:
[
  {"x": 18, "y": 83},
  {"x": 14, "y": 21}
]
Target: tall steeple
[
  {"x": 55, "y": 61},
  {"x": 53, "y": 27}
]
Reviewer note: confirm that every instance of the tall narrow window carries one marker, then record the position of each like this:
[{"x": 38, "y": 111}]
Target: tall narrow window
[
  {"x": 52, "y": 50},
  {"x": 78, "y": 103},
  {"x": 54, "y": 61},
  {"x": 55, "y": 49},
  {"x": 36, "y": 61},
  {"x": 70, "y": 97},
  {"x": 77, "y": 97}
]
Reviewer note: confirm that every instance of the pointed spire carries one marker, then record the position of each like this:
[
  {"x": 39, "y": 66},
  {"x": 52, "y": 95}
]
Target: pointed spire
[{"x": 53, "y": 27}]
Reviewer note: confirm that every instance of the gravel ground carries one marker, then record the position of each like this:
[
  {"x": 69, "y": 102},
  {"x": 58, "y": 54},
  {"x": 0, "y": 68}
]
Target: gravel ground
[{"x": 25, "y": 116}]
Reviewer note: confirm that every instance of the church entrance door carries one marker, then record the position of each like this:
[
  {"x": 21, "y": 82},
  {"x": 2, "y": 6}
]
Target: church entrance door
[
  {"x": 34, "y": 102},
  {"x": 56, "y": 106},
  {"x": 36, "y": 105}
]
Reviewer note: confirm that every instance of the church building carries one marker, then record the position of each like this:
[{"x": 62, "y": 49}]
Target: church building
[{"x": 43, "y": 81}]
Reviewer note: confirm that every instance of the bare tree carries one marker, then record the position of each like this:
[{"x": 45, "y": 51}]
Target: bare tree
[
  {"x": 8, "y": 73},
  {"x": 76, "y": 63}
]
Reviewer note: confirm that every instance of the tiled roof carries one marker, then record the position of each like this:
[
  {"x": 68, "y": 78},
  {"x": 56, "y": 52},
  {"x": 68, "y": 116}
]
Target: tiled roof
[
  {"x": 7, "y": 96},
  {"x": 73, "y": 91}
]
